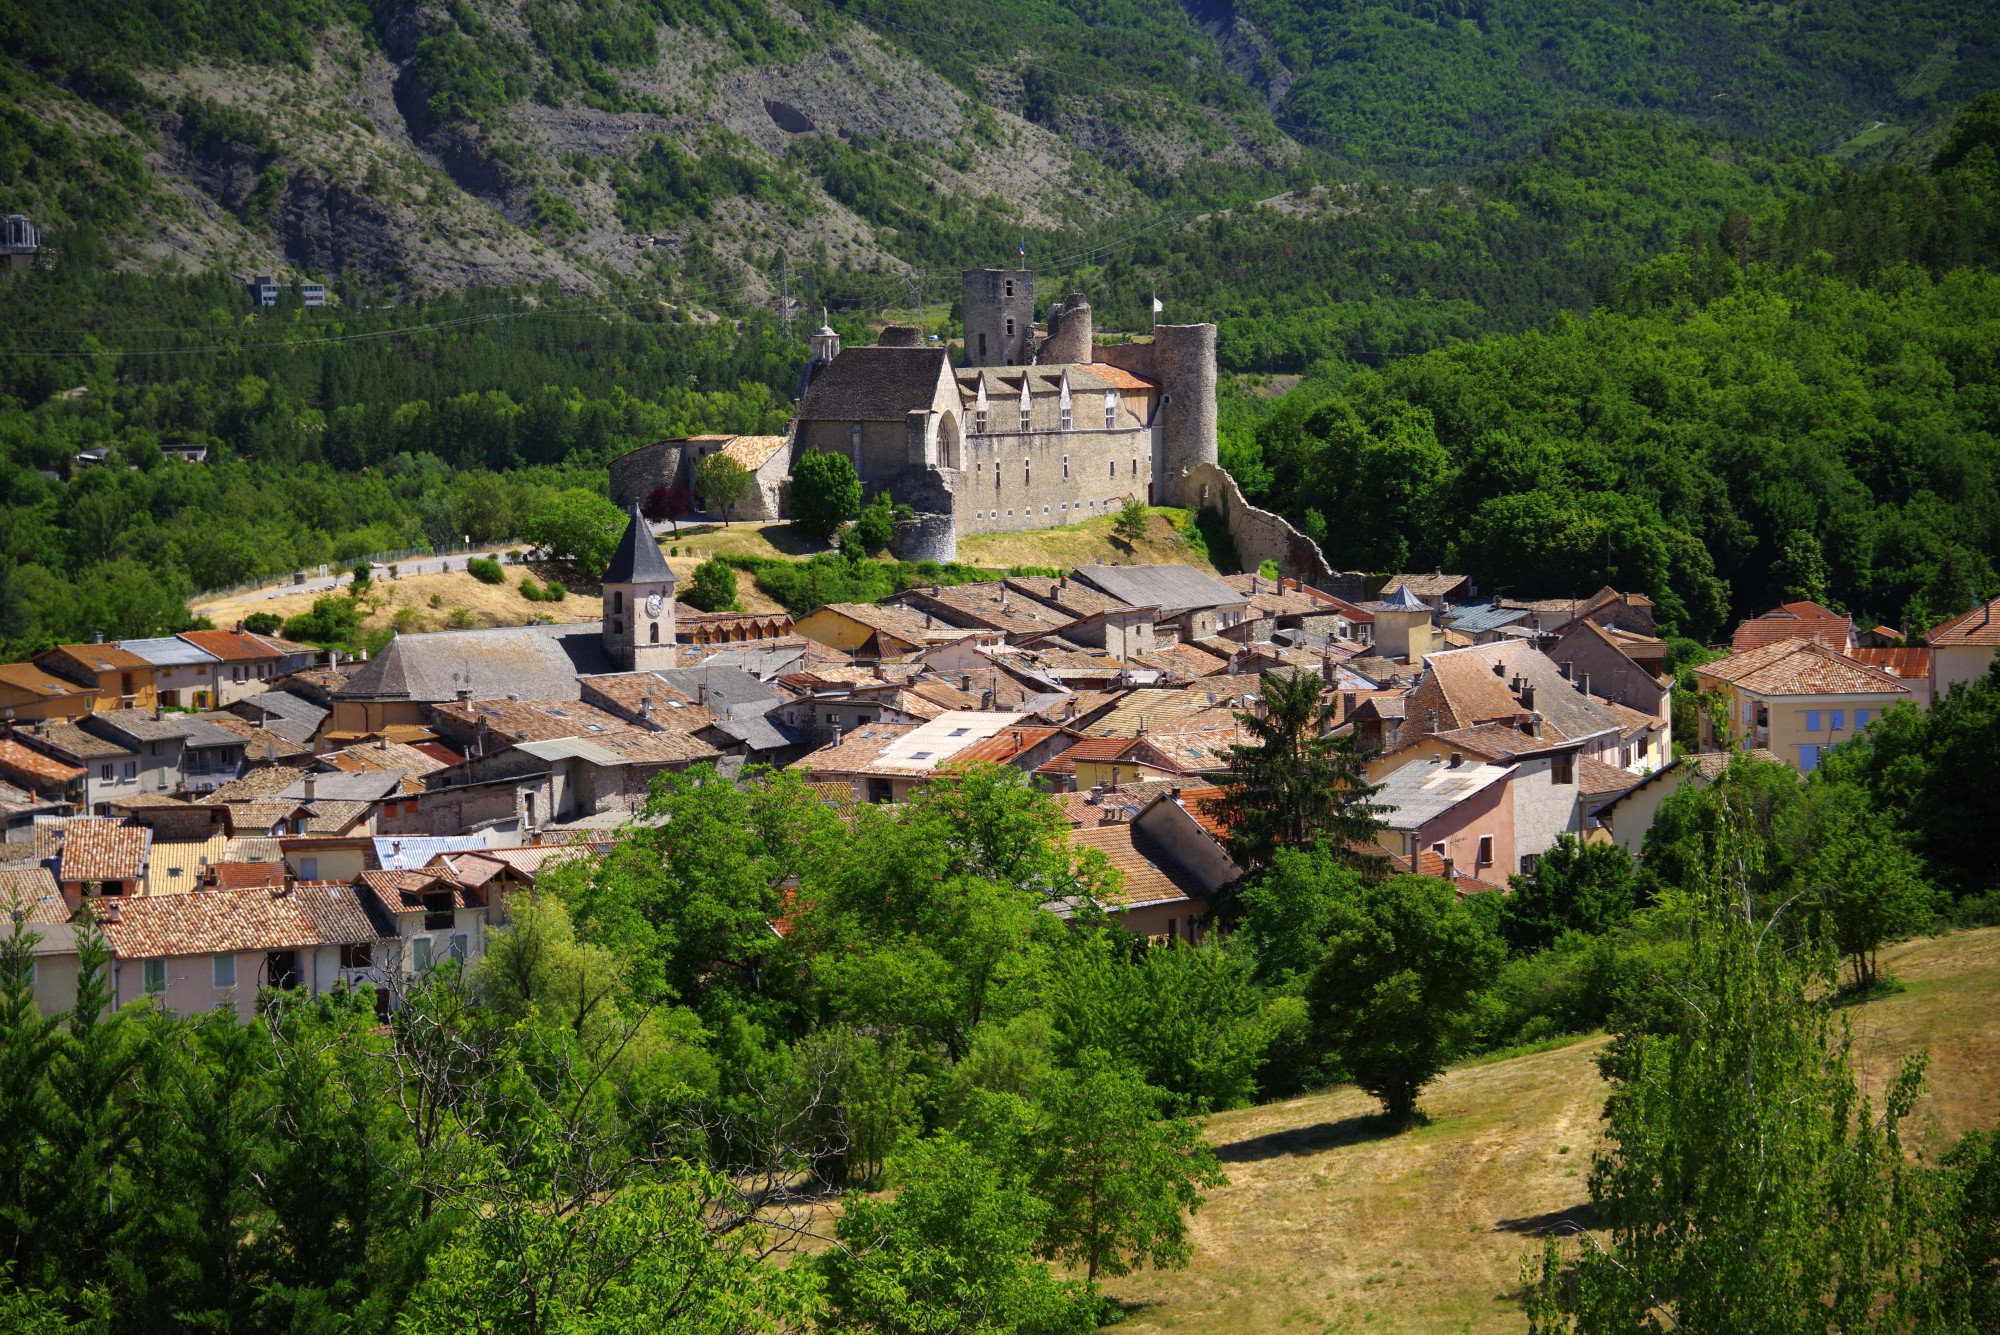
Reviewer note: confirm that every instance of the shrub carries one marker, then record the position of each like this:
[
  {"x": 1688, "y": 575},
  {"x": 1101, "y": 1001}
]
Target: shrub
[
  {"x": 876, "y": 527},
  {"x": 263, "y": 623},
  {"x": 713, "y": 588},
  {"x": 530, "y": 590},
  {"x": 363, "y": 576},
  {"x": 486, "y": 570},
  {"x": 461, "y": 618},
  {"x": 554, "y": 592}
]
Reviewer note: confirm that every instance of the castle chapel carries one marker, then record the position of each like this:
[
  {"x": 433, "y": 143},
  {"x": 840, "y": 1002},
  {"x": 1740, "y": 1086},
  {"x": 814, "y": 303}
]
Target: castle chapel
[{"x": 1040, "y": 427}]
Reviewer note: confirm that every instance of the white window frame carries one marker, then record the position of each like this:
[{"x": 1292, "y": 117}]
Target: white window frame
[{"x": 1110, "y": 412}]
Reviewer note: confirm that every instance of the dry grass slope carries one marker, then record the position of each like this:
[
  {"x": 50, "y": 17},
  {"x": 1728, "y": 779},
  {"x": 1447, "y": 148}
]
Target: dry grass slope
[{"x": 1328, "y": 1225}]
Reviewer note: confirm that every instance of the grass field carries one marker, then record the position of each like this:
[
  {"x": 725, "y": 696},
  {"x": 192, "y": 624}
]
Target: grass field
[{"x": 1331, "y": 1225}]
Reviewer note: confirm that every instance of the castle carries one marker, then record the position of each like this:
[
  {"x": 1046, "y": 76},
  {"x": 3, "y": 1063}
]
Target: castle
[{"x": 1039, "y": 428}]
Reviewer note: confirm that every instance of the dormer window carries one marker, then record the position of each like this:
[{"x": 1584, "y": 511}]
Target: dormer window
[
  {"x": 1068, "y": 421},
  {"x": 979, "y": 422},
  {"x": 1027, "y": 420}
]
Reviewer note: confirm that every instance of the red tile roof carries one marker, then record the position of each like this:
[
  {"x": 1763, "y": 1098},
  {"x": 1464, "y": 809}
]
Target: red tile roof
[
  {"x": 1148, "y": 875},
  {"x": 231, "y": 645},
  {"x": 207, "y": 922},
  {"x": 1980, "y": 627},
  {"x": 1794, "y": 621},
  {"x": 1800, "y": 667},
  {"x": 97, "y": 848},
  {"x": 1002, "y": 747},
  {"x": 26, "y": 760}
]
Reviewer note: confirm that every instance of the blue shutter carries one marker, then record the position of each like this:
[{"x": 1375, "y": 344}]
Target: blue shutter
[
  {"x": 1809, "y": 757},
  {"x": 1812, "y": 720},
  {"x": 1839, "y": 720}
]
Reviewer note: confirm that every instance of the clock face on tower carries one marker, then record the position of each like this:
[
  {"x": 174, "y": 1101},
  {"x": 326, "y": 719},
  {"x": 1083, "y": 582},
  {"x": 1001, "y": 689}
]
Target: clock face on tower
[{"x": 653, "y": 604}]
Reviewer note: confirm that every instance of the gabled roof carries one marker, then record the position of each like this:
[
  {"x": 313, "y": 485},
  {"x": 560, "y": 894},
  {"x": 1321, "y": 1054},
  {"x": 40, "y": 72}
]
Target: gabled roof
[
  {"x": 98, "y": 848},
  {"x": 1434, "y": 585},
  {"x": 1801, "y": 667},
  {"x": 34, "y": 765},
  {"x": 1147, "y": 872},
  {"x": 900, "y": 622},
  {"x": 638, "y": 559},
  {"x": 1174, "y": 589},
  {"x": 208, "y": 922},
  {"x": 140, "y": 725},
  {"x": 1794, "y": 621},
  {"x": 539, "y": 662},
  {"x": 33, "y": 891},
  {"x": 753, "y": 452},
  {"x": 97, "y": 657},
  {"x": 28, "y": 678},
  {"x": 875, "y": 384},
  {"x": 235, "y": 646},
  {"x": 1472, "y": 692},
  {"x": 1980, "y": 627}
]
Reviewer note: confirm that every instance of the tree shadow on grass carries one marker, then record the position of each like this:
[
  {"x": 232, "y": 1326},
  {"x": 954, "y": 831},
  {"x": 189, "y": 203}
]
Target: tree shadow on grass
[
  {"x": 1312, "y": 1139},
  {"x": 1570, "y": 1219}
]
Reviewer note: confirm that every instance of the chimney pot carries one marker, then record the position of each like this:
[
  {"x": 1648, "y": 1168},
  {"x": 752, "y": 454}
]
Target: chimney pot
[{"x": 1499, "y": 669}]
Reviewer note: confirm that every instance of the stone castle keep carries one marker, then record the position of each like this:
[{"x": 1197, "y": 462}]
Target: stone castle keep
[{"x": 1039, "y": 428}]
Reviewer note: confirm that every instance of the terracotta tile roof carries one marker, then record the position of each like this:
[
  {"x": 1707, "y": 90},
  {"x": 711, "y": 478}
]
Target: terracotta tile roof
[
  {"x": 1909, "y": 664},
  {"x": 32, "y": 890},
  {"x": 1193, "y": 660},
  {"x": 263, "y": 781},
  {"x": 102, "y": 657},
  {"x": 1099, "y": 806},
  {"x": 1147, "y": 873},
  {"x": 1980, "y": 627},
  {"x": 1462, "y": 686},
  {"x": 1002, "y": 747},
  {"x": 1800, "y": 667},
  {"x": 1192, "y": 752},
  {"x": 987, "y": 607},
  {"x": 753, "y": 452},
  {"x": 35, "y": 766},
  {"x": 1094, "y": 749},
  {"x": 1595, "y": 779},
  {"x": 232, "y": 646},
  {"x": 97, "y": 848},
  {"x": 899, "y": 622},
  {"x": 261, "y": 816},
  {"x": 332, "y": 817},
  {"x": 1203, "y": 707},
  {"x": 1117, "y": 377},
  {"x": 208, "y": 922},
  {"x": 1495, "y": 741},
  {"x": 42, "y": 685},
  {"x": 649, "y": 696},
  {"x": 1794, "y": 621},
  {"x": 414, "y": 762},
  {"x": 1070, "y": 596},
  {"x": 515, "y": 721},
  {"x": 1424, "y": 586},
  {"x": 407, "y": 891},
  {"x": 532, "y": 860}
]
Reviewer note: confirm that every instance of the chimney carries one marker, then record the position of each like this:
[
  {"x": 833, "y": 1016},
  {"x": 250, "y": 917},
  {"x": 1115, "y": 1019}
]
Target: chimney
[
  {"x": 836, "y": 734},
  {"x": 1528, "y": 696},
  {"x": 646, "y": 708},
  {"x": 1499, "y": 669},
  {"x": 464, "y": 693},
  {"x": 1534, "y": 725},
  {"x": 1583, "y": 682},
  {"x": 1175, "y": 795},
  {"x": 1450, "y": 869},
  {"x": 701, "y": 694},
  {"x": 965, "y": 682},
  {"x": 1457, "y": 759},
  {"x": 311, "y": 784},
  {"x": 986, "y": 698}
]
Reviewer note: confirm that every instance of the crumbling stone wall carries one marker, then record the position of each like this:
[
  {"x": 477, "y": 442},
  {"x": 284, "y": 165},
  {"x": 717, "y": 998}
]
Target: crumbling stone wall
[{"x": 1259, "y": 534}]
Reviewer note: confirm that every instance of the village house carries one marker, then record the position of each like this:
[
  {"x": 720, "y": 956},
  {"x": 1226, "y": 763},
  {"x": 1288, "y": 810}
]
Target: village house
[
  {"x": 1404, "y": 627},
  {"x": 185, "y": 674},
  {"x": 883, "y": 762},
  {"x": 1963, "y": 648},
  {"x": 1544, "y": 797},
  {"x": 1189, "y": 604},
  {"x": 1794, "y": 697},
  {"x": 1625, "y": 816},
  {"x": 1171, "y": 863},
  {"x": 1457, "y": 806},
  {"x": 435, "y": 919},
  {"x": 52, "y": 781},
  {"x": 1915, "y": 667},
  {"x": 1516, "y": 684},
  {"x": 246, "y": 663},
  {"x": 217, "y": 949}
]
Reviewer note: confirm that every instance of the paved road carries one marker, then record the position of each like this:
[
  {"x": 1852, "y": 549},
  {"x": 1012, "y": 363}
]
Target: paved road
[{"x": 420, "y": 565}]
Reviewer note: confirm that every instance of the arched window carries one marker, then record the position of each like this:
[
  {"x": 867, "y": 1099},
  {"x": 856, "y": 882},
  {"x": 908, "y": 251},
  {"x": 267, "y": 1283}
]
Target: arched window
[
  {"x": 655, "y": 636},
  {"x": 617, "y": 600},
  {"x": 617, "y": 626}
]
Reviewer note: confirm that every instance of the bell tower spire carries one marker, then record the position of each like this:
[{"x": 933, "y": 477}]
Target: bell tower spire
[{"x": 639, "y": 601}]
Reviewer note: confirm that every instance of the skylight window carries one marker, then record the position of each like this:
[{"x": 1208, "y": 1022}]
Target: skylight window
[
  {"x": 960, "y": 732},
  {"x": 920, "y": 755}
]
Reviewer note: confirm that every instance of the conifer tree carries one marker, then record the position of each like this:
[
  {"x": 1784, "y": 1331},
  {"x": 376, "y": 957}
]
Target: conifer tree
[{"x": 1295, "y": 783}]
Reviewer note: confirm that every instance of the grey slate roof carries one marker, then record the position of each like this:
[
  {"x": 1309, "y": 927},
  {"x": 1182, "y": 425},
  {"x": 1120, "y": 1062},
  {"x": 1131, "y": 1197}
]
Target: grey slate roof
[
  {"x": 292, "y": 717},
  {"x": 169, "y": 651},
  {"x": 756, "y": 729},
  {"x": 1402, "y": 600},
  {"x": 638, "y": 559},
  {"x": 201, "y": 733},
  {"x": 763, "y": 664},
  {"x": 1479, "y": 618},
  {"x": 533, "y": 662},
  {"x": 720, "y": 688},
  {"x": 137, "y": 725},
  {"x": 1173, "y": 589},
  {"x": 365, "y": 786},
  {"x": 874, "y": 384}
]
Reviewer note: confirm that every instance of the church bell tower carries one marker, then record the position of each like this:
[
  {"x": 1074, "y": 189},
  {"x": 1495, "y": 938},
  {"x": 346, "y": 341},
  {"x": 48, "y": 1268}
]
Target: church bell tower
[{"x": 639, "y": 601}]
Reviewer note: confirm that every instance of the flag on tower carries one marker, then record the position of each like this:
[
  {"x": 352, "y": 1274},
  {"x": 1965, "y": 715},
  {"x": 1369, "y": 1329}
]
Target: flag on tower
[{"x": 1024, "y": 252}]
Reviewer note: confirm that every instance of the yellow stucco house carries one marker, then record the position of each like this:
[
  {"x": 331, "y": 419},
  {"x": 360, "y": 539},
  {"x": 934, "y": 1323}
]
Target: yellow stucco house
[{"x": 1794, "y": 697}]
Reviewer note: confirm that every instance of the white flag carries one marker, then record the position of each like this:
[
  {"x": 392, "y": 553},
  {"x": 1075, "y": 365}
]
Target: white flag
[{"x": 1158, "y": 305}]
